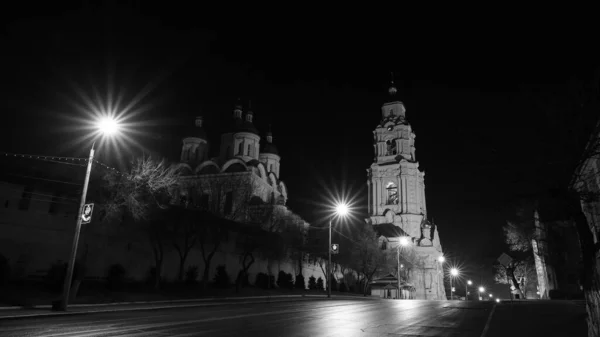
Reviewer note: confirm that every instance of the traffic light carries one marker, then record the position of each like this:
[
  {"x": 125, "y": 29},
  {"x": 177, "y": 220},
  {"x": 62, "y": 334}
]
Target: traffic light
[{"x": 335, "y": 248}]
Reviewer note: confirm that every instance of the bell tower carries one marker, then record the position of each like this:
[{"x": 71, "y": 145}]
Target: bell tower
[{"x": 396, "y": 201}]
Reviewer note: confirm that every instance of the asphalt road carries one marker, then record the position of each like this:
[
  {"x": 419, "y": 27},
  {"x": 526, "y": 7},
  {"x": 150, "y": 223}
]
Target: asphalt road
[{"x": 310, "y": 318}]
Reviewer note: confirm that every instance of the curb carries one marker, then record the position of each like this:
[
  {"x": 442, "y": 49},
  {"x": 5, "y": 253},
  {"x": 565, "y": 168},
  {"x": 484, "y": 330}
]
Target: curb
[
  {"x": 148, "y": 302},
  {"x": 200, "y": 303},
  {"x": 180, "y": 301}
]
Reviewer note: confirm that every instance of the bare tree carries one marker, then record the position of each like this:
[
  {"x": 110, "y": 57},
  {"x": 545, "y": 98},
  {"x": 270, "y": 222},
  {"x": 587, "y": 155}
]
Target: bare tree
[
  {"x": 222, "y": 196},
  {"x": 143, "y": 195},
  {"x": 183, "y": 234},
  {"x": 369, "y": 258},
  {"x": 521, "y": 274}
]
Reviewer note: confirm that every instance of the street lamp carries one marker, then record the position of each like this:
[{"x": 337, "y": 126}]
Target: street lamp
[
  {"x": 341, "y": 210},
  {"x": 106, "y": 127},
  {"x": 403, "y": 241},
  {"x": 481, "y": 291},
  {"x": 453, "y": 273},
  {"x": 441, "y": 258},
  {"x": 467, "y": 289}
]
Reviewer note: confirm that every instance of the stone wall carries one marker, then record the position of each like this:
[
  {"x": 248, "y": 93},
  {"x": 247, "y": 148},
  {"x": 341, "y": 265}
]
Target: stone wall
[{"x": 35, "y": 240}]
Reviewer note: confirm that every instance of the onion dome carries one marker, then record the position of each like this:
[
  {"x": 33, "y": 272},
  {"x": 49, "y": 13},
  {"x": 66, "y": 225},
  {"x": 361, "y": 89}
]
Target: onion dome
[{"x": 269, "y": 147}]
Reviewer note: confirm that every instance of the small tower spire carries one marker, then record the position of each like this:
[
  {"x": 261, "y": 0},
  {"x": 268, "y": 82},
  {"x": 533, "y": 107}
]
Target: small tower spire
[
  {"x": 269, "y": 135},
  {"x": 392, "y": 90},
  {"x": 237, "y": 111},
  {"x": 249, "y": 114}
]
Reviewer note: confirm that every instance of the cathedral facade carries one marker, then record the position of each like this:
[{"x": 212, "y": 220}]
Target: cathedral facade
[
  {"x": 397, "y": 205},
  {"x": 243, "y": 182}
]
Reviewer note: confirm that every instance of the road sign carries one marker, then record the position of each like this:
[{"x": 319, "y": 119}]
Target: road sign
[
  {"x": 86, "y": 215},
  {"x": 504, "y": 259},
  {"x": 335, "y": 248}
]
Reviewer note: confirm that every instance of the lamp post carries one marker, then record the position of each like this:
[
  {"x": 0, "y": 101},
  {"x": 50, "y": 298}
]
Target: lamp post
[
  {"x": 467, "y": 289},
  {"x": 453, "y": 273},
  {"x": 341, "y": 210},
  {"x": 106, "y": 127},
  {"x": 481, "y": 291},
  {"x": 402, "y": 242}
]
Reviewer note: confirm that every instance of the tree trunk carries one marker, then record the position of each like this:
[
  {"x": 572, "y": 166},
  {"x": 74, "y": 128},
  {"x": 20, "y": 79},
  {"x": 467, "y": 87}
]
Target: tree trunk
[
  {"x": 513, "y": 279},
  {"x": 206, "y": 273},
  {"x": 158, "y": 259},
  {"x": 591, "y": 274}
]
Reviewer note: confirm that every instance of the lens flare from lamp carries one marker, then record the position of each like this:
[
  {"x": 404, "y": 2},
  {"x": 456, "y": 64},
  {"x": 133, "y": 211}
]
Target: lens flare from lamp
[
  {"x": 454, "y": 272},
  {"x": 341, "y": 209},
  {"x": 404, "y": 241},
  {"x": 108, "y": 126}
]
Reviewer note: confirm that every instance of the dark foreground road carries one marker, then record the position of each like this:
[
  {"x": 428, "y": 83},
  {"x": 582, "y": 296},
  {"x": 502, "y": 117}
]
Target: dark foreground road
[{"x": 316, "y": 318}]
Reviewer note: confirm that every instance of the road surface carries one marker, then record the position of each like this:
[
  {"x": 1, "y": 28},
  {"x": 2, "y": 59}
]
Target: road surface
[{"x": 320, "y": 318}]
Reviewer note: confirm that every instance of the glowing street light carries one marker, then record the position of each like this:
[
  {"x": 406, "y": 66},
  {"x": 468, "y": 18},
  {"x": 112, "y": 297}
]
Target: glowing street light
[
  {"x": 441, "y": 258},
  {"x": 467, "y": 289},
  {"x": 403, "y": 241},
  {"x": 481, "y": 291},
  {"x": 453, "y": 274},
  {"x": 497, "y": 300},
  {"x": 490, "y": 295},
  {"x": 341, "y": 210},
  {"x": 106, "y": 127}
]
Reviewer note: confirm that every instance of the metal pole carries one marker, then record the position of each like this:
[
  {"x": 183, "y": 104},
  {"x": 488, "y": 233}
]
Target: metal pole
[
  {"x": 329, "y": 264},
  {"x": 451, "y": 298},
  {"x": 466, "y": 291},
  {"x": 71, "y": 265},
  {"x": 398, "y": 291}
]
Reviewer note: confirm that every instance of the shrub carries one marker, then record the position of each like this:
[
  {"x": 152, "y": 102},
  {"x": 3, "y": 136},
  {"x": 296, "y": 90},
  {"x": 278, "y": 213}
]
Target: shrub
[
  {"x": 343, "y": 288},
  {"x": 4, "y": 270},
  {"x": 334, "y": 283},
  {"x": 115, "y": 277},
  {"x": 320, "y": 284},
  {"x": 312, "y": 283},
  {"x": 191, "y": 274},
  {"x": 281, "y": 279},
  {"x": 299, "y": 284},
  {"x": 264, "y": 281},
  {"x": 289, "y": 281},
  {"x": 151, "y": 276},
  {"x": 55, "y": 276},
  {"x": 221, "y": 279}
]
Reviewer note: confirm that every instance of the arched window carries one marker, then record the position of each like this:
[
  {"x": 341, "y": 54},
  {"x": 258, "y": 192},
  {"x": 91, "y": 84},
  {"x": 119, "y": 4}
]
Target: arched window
[
  {"x": 241, "y": 149},
  {"x": 392, "y": 193},
  {"x": 250, "y": 150},
  {"x": 391, "y": 147}
]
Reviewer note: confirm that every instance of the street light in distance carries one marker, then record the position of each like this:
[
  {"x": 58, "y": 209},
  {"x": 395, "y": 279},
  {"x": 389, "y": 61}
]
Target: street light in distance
[{"x": 341, "y": 210}]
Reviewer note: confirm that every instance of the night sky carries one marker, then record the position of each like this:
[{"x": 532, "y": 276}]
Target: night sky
[{"x": 320, "y": 84}]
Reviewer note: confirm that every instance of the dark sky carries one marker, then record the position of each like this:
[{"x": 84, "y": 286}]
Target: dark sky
[{"x": 320, "y": 82}]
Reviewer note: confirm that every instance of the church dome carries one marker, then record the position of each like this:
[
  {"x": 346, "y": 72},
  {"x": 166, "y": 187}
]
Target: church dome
[{"x": 270, "y": 148}]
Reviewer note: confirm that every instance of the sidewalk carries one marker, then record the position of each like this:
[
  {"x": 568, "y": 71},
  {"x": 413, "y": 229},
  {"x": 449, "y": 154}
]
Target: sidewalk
[{"x": 82, "y": 309}]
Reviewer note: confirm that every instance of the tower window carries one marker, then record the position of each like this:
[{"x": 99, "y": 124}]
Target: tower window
[
  {"x": 250, "y": 150},
  {"x": 391, "y": 147},
  {"x": 392, "y": 194},
  {"x": 241, "y": 149}
]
